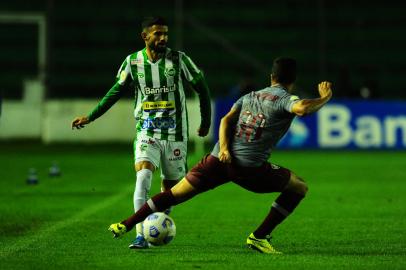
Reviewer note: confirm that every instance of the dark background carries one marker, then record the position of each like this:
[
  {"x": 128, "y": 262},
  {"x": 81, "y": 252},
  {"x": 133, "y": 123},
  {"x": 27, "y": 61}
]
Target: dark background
[{"x": 355, "y": 44}]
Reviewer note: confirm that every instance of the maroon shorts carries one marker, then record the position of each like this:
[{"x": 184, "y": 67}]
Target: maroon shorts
[{"x": 210, "y": 173}]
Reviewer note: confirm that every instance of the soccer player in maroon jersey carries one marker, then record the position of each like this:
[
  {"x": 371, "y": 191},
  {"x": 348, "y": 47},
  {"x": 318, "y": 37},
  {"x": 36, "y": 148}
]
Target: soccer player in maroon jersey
[{"x": 248, "y": 133}]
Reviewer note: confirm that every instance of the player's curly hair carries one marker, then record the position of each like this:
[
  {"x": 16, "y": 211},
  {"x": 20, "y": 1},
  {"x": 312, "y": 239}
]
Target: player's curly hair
[
  {"x": 284, "y": 70},
  {"x": 150, "y": 21}
]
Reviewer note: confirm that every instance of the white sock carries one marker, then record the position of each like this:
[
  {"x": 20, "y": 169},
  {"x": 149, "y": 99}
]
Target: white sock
[{"x": 142, "y": 187}]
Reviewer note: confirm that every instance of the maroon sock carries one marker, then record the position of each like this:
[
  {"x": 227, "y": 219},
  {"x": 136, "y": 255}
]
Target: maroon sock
[
  {"x": 281, "y": 208},
  {"x": 270, "y": 222},
  {"x": 158, "y": 203}
]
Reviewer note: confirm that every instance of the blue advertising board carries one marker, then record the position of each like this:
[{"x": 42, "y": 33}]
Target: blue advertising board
[{"x": 345, "y": 124}]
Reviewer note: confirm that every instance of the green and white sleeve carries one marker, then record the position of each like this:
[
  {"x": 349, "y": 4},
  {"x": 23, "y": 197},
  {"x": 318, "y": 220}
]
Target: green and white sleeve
[
  {"x": 196, "y": 78},
  {"x": 123, "y": 79}
]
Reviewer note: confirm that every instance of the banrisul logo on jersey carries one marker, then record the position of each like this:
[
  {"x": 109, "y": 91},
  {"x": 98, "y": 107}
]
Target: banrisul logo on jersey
[
  {"x": 159, "y": 90},
  {"x": 158, "y": 123},
  {"x": 351, "y": 125}
]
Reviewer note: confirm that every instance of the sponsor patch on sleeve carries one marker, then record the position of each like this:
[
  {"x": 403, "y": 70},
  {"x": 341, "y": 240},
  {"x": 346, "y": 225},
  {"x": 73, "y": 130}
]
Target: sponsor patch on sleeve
[
  {"x": 136, "y": 61},
  {"x": 123, "y": 76},
  {"x": 292, "y": 98}
]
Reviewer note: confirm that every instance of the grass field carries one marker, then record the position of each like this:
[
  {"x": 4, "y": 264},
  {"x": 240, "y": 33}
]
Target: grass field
[{"x": 353, "y": 218}]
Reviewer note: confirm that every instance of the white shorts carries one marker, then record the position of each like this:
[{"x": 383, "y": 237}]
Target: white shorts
[{"x": 170, "y": 156}]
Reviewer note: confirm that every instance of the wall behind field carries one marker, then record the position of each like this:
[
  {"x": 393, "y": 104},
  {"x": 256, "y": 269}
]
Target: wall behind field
[
  {"x": 50, "y": 121},
  {"x": 341, "y": 124}
]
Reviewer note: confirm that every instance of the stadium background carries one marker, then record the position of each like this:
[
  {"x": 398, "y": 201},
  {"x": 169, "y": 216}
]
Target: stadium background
[
  {"x": 70, "y": 50},
  {"x": 355, "y": 216},
  {"x": 356, "y": 44}
]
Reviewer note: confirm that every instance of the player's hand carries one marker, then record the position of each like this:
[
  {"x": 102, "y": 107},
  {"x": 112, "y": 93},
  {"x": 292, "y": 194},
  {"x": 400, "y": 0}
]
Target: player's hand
[
  {"x": 325, "y": 89},
  {"x": 225, "y": 156},
  {"x": 80, "y": 122},
  {"x": 202, "y": 132}
]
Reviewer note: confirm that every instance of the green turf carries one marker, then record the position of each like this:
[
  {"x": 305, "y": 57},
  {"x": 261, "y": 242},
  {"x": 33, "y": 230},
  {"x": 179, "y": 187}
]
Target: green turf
[{"x": 353, "y": 218}]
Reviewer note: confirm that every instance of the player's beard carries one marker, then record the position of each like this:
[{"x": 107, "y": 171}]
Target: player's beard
[{"x": 159, "y": 48}]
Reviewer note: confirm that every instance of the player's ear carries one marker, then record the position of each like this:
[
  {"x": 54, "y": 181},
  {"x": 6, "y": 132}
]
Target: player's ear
[{"x": 144, "y": 35}]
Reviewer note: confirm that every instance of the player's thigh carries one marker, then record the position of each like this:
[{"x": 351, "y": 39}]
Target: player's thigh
[
  {"x": 184, "y": 191},
  {"x": 173, "y": 160},
  {"x": 208, "y": 174},
  {"x": 264, "y": 179},
  {"x": 296, "y": 184},
  {"x": 146, "y": 149}
]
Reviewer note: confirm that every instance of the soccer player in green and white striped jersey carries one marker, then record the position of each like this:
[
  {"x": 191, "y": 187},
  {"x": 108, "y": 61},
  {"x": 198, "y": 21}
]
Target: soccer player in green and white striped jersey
[{"x": 158, "y": 75}]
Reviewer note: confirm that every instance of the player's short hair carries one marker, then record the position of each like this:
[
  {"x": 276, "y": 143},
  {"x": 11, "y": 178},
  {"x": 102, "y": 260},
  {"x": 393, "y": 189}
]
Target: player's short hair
[
  {"x": 150, "y": 21},
  {"x": 284, "y": 70}
]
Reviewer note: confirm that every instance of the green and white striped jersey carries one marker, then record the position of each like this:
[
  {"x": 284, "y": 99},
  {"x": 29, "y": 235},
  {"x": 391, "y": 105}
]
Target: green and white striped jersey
[{"x": 160, "y": 106}]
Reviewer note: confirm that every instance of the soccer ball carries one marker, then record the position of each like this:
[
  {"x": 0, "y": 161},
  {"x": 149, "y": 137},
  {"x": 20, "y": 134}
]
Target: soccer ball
[{"x": 159, "y": 229}]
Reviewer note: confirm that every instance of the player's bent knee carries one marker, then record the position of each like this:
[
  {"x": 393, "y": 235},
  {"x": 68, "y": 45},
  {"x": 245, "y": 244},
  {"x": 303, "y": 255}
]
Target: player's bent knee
[
  {"x": 183, "y": 191},
  {"x": 304, "y": 189},
  {"x": 297, "y": 185}
]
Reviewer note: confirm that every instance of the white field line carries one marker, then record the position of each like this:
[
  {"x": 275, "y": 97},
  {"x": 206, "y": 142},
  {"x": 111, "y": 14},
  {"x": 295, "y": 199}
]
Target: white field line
[{"x": 47, "y": 231}]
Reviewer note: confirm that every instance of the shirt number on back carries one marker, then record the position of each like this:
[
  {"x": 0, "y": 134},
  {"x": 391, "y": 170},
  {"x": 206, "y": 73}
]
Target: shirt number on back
[{"x": 250, "y": 127}]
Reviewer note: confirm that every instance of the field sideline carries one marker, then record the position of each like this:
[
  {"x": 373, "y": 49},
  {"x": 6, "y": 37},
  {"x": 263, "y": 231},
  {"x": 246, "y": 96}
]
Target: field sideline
[{"x": 353, "y": 218}]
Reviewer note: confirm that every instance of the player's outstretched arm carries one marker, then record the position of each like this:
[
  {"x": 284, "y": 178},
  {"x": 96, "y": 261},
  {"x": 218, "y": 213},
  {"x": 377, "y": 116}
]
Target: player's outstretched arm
[
  {"x": 307, "y": 106},
  {"x": 80, "y": 122},
  {"x": 203, "y": 92},
  {"x": 104, "y": 105}
]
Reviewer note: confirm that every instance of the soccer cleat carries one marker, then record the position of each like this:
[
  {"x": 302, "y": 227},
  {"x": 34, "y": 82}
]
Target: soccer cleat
[
  {"x": 168, "y": 211},
  {"x": 118, "y": 229},
  {"x": 261, "y": 245},
  {"x": 139, "y": 243}
]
